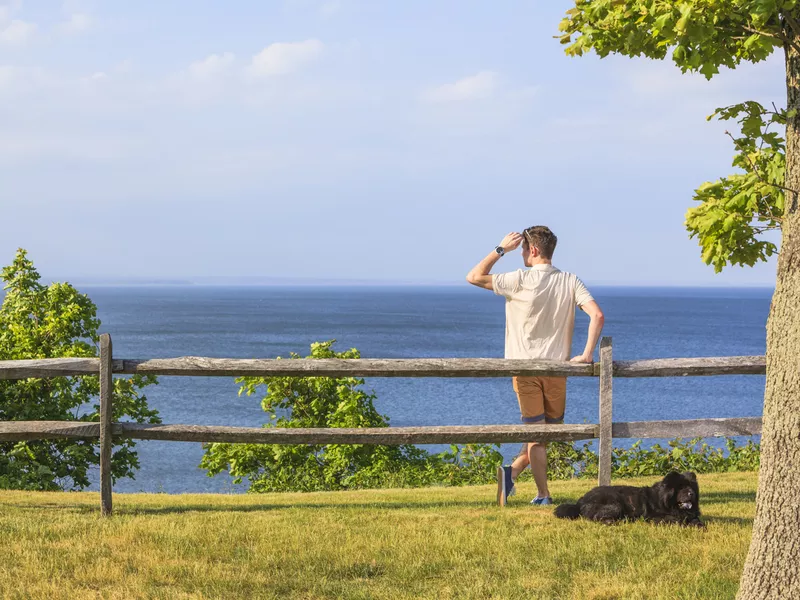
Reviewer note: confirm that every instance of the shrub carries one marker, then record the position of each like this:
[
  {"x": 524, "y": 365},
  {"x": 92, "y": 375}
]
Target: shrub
[{"x": 53, "y": 321}]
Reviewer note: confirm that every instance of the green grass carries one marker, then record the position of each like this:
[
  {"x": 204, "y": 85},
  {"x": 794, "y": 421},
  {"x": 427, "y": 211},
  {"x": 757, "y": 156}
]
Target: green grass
[{"x": 428, "y": 543}]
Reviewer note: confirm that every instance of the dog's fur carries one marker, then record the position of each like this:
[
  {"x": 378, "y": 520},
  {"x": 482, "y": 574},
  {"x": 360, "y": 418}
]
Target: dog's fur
[{"x": 674, "y": 499}]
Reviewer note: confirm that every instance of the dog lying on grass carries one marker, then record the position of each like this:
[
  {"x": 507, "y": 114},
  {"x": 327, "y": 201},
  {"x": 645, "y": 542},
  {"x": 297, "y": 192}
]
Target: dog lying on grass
[{"x": 674, "y": 499}]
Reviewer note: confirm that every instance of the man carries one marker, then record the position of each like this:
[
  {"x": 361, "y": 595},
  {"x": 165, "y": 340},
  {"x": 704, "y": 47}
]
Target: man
[{"x": 540, "y": 317}]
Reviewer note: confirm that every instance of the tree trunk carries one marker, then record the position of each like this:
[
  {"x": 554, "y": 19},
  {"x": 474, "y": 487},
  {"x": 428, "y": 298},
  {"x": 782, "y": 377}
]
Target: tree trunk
[{"x": 772, "y": 569}]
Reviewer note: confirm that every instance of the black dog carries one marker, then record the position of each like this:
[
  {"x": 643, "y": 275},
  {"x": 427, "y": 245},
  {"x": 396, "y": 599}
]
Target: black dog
[{"x": 674, "y": 499}]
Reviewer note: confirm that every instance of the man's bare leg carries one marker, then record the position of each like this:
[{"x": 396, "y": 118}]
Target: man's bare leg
[
  {"x": 520, "y": 463},
  {"x": 537, "y": 456}
]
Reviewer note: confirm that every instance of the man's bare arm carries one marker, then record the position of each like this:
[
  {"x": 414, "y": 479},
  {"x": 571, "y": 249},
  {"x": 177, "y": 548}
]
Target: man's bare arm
[
  {"x": 480, "y": 274},
  {"x": 596, "y": 321}
]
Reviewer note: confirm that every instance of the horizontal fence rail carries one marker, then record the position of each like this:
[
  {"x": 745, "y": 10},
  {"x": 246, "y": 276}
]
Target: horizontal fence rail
[
  {"x": 25, "y": 431},
  {"x": 690, "y": 428},
  {"x": 390, "y": 367},
  {"x": 604, "y": 431},
  {"x": 49, "y": 367},
  {"x": 697, "y": 367},
  {"x": 13, "y": 431},
  {"x": 358, "y": 367},
  {"x": 390, "y": 436}
]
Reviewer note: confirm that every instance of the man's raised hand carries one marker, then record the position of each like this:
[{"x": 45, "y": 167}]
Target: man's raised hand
[{"x": 511, "y": 241}]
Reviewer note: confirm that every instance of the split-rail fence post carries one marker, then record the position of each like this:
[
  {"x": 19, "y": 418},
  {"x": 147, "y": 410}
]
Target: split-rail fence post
[
  {"x": 106, "y": 392},
  {"x": 606, "y": 379}
]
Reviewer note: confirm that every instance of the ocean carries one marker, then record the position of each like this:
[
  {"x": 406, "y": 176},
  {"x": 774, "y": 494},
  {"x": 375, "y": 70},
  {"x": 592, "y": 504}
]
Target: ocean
[{"x": 416, "y": 322}]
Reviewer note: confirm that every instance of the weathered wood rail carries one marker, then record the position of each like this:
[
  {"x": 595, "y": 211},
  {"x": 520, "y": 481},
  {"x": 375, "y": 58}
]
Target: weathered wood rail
[
  {"x": 194, "y": 366},
  {"x": 388, "y": 436},
  {"x": 605, "y": 430}
]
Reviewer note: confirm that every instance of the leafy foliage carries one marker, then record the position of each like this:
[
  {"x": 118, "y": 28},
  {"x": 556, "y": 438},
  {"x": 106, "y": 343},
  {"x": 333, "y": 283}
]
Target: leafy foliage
[
  {"x": 701, "y": 35},
  {"x": 568, "y": 461},
  {"x": 737, "y": 209},
  {"x": 694, "y": 455},
  {"x": 38, "y": 321}
]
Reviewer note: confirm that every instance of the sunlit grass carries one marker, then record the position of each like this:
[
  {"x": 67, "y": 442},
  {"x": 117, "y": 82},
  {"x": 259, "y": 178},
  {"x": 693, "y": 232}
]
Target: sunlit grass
[{"x": 423, "y": 543}]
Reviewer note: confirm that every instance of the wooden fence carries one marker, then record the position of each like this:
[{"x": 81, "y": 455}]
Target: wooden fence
[{"x": 605, "y": 430}]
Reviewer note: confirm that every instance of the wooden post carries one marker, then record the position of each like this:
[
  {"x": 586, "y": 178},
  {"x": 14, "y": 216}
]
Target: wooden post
[
  {"x": 606, "y": 377},
  {"x": 106, "y": 391}
]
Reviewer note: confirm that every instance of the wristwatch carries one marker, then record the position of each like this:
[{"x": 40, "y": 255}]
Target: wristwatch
[{"x": 499, "y": 250}]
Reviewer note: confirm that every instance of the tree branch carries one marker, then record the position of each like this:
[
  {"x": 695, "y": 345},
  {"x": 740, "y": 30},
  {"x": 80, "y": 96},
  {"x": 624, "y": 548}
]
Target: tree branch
[
  {"x": 776, "y": 36},
  {"x": 771, "y": 216},
  {"x": 766, "y": 229}
]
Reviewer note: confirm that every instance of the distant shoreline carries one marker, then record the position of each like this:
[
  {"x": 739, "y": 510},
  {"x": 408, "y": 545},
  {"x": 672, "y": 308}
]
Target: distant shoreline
[
  {"x": 292, "y": 282},
  {"x": 400, "y": 285}
]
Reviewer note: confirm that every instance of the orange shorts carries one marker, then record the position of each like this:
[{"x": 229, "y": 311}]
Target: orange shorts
[{"x": 541, "y": 399}]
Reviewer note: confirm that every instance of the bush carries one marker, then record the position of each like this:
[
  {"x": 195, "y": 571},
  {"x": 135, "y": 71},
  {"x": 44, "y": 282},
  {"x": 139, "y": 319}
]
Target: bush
[
  {"x": 694, "y": 455},
  {"x": 54, "y": 321}
]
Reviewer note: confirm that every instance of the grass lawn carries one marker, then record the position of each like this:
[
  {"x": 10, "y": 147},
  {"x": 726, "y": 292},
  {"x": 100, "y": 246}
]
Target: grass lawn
[{"x": 428, "y": 543}]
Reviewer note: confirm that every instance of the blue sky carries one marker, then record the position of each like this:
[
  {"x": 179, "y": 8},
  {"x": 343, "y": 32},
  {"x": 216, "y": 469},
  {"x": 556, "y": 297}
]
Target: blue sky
[{"x": 347, "y": 139}]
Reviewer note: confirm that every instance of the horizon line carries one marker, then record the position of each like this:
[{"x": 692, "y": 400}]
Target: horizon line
[{"x": 256, "y": 281}]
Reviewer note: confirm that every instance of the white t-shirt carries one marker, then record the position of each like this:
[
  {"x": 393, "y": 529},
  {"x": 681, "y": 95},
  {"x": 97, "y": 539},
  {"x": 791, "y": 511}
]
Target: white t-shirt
[{"x": 540, "y": 310}]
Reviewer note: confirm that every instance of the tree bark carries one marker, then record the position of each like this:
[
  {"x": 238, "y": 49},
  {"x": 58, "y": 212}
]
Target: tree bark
[{"x": 772, "y": 569}]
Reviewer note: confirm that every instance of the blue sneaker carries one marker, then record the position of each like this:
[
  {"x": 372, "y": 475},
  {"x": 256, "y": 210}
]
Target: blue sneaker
[
  {"x": 542, "y": 501},
  {"x": 505, "y": 485}
]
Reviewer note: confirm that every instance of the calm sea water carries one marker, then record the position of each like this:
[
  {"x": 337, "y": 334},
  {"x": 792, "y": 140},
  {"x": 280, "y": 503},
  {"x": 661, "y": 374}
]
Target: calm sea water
[{"x": 416, "y": 322}]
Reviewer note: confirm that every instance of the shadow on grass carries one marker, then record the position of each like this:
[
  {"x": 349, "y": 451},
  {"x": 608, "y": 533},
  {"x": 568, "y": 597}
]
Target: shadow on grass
[
  {"x": 726, "y": 497},
  {"x": 28, "y": 507},
  {"x": 304, "y": 505},
  {"x": 733, "y": 520},
  {"x": 491, "y": 510},
  {"x": 123, "y": 510}
]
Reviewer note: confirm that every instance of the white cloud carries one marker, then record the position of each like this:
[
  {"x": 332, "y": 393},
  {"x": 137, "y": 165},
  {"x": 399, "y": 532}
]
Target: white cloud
[
  {"x": 17, "y": 32},
  {"x": 476, "y": 87},
  {"x": 204, "y": 70},
  {"x": 670, "y": 107},
  {"x": 484, "y": 104},
  {"x": 76, "y": 24},
  {"x": 281, "y": 58}
]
